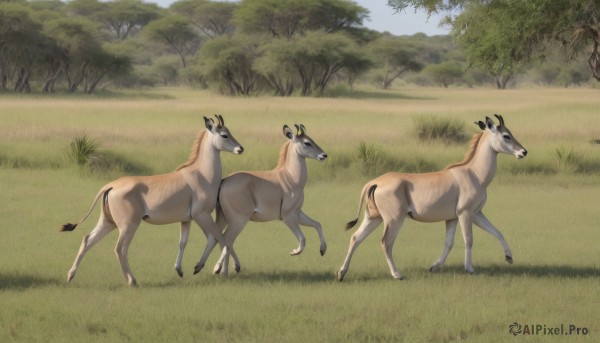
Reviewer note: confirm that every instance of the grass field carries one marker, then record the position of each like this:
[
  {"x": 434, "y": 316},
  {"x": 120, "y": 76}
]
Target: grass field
[{"x": 546, "y": 205}]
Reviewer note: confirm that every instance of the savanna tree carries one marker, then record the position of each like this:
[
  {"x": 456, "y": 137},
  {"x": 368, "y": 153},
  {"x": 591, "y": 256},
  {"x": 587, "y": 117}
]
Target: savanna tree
[
  {"x": 292, "y": 17},
  {"x": 395, "y": 56},
  {"x": 213, "y": 19},
  {"x": 228, "y": 61},
  {"x": 175, "y": 33},
  {"x": 574, "y": 24}
]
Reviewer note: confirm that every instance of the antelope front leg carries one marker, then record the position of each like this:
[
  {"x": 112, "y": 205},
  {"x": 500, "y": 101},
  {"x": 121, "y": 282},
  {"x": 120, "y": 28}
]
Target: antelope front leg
[
  {"x": 480, "y": 220},
  {"x": 467, "y": 230},
  {"x": 209, "y": 227},
  {"x": 211, "y": 242},
  {"x": 305, "y": 220},
  {"x": 292, "y": 223},
  {"x": 183, "y": 239},
  {"x": 450, "y": 232},
  {"x": 233, "y": 230}
]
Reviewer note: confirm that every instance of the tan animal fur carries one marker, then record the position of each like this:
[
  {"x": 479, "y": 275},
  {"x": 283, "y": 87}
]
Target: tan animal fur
[
  {"x": 455, "y": 195},
  {"x": 189, "y": 193},
  {"x": 262, "y": 196}
]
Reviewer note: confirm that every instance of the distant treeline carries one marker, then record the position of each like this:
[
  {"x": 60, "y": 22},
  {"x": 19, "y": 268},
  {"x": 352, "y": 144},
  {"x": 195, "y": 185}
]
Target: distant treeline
[{"x": 293, "y": 47}]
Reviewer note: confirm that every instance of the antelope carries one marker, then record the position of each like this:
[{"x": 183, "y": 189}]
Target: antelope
[
  {"x": 455, "y": 195},
  {"x": 189, "y": 193},
  {"x": 263, "y": 196}
]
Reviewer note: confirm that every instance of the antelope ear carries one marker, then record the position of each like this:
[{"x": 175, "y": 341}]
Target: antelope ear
[
  {"x": 288, "y": 132},
  {"x": 209, "y": 123},
  {"x": 490, "y": 124},
  {"x": 480, "y": 124}
]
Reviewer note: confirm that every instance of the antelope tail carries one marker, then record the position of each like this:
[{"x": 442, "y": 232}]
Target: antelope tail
[
  {"x": 70, "y": 227},
  {"x": 367, "y": 188}
]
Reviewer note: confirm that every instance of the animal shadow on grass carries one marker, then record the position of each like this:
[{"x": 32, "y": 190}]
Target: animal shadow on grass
[
  {"x": 535, "y": 271},
  {"x": 284, "y": 276},
  {"x": 16, "y": 281}
]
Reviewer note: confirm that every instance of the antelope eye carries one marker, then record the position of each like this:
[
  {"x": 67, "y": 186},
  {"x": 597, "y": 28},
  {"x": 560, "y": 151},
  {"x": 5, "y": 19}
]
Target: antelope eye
[
  {"x": 307, "y": 144},
  {"x": 506, "y": 137},
  {"x": 224, "y": 136}
]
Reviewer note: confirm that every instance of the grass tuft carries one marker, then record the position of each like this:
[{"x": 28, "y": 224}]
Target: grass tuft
[
  {"x": 369, "y": 156},
  {"x": 568, "y": 160},
  {"x": 82, "y": 149},
  {"x": 447, "y": 130}
]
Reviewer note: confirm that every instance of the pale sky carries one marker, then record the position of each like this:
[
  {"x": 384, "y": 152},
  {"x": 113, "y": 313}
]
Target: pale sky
[{"x": 383, "y": 18}]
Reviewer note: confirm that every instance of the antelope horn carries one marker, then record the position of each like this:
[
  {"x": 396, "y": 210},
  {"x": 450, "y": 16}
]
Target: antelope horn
[
  {"x": 500, "y": 119},
  {"x": 220, "y": 118},
  {"x": 303, "y": 129},
  {"x": 299, "y": 131}
]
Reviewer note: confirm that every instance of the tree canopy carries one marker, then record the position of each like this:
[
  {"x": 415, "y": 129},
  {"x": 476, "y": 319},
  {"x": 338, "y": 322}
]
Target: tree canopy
[
  {"x": 521, "y": 29},
  {"x": 285, "y": 48}
]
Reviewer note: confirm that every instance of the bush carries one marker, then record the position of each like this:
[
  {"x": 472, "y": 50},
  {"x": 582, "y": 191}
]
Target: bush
[
  {"x": 369, "y": 156},
  {"x": 568, "y": 160},
  {"x": 447, "y": 130},
  {"x": 82, "y": 149}
]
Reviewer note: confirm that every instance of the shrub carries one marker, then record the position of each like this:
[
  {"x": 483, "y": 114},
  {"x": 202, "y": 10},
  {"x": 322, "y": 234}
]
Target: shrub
[
  {"x": 448, "y": 130},
  {"x": 369, "y": 156},
  {"x": 82, "y": 149},
  {"x": 568, "y": 160}
]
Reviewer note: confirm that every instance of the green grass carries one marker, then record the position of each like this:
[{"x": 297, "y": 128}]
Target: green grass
[{"x": 547, "y": 213}]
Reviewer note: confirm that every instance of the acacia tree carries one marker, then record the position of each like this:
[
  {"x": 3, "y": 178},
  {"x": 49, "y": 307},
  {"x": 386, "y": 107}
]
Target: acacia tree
[
  {"x": 493, "y": 40},
  {"x": 175, "y": 33},
  {"x": 213, "y": 19},
  {"x": 274, "y": 63},
  {"x": 291, "y": 17},
  {"x": 86, "y": 61},
  {"x": 120, "y": 18},
  {"x": 574, "y": 24},
  {"x": 229, "y": 61},
  {"x": 318, "y": 56},
  {"x": 19, "y": 48},
  {"x": 445, "y": 73},
  {"x": 395, "y": 57}
]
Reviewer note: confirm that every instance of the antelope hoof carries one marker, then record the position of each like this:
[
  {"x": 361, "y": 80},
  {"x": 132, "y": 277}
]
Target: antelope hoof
[
  {"x": 435, "y": 268},
  {"x": 470, "y": 271},
  {"x": 198, "y": 268},
  {"x": 509, "y": 259},
  {"x": 133, "y": 283},
  {"x": 340, "y": 275},
  {"x": 70, "y": 277},
  {"x": 398, "y": 276},
  {"x": 323, "y": 250},
  {"x": 237, "y": 269},
  {"x": 217, "y": 269},
  {"x": 295, "y": 252},
  {"x": 179, "y": 272}
]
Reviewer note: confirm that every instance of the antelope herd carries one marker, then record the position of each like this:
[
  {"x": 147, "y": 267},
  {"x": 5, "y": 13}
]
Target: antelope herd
[{"x": 455, "y": 195}]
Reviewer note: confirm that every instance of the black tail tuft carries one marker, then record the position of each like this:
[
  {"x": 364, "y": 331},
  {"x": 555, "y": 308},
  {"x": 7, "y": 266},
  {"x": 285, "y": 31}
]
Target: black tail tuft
[
  {"x": 371, "y": 192},
  {"x": 68, "y": 227},
  {"x": 351, "y": 224}
]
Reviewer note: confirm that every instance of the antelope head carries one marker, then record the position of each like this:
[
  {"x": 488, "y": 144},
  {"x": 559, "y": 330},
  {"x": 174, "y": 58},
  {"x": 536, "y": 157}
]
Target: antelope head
[
  {"x": 303, "y": 144},
  {"x": 502, "y": 140},
  {"x": 221, "y": 138}
]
